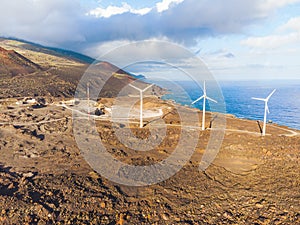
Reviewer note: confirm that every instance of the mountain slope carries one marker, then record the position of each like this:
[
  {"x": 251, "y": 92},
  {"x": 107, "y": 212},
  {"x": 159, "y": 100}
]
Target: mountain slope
[
  {"x": 33, "y": 70},
  {"x": 50, "y": 50},
  {"x": 40, "y": 55},
  {"x": 13, "y": 63}
]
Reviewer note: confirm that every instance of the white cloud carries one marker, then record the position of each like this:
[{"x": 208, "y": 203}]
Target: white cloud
[
  {"x": 272, "y": 41},
  {"x": 142, "y": 11},
  {"x": 267, "y": 5},
  {"x": 115, "y": 10},
  {"x": 292, "y": 25},
  {"x": 126, "y": 8},
  {"x": 284, "y": 35},
  {"x": 165, "y": 4}
]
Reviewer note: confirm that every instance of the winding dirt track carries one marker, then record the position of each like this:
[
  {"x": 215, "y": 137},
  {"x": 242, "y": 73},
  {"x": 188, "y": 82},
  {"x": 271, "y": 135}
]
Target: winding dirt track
[{"x": 290, "y": 133}]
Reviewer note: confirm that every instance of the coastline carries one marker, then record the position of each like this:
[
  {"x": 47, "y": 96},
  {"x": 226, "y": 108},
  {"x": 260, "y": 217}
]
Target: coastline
[
  {"x": 238, "y": 114},
  {"x": 232, "y": 116}
]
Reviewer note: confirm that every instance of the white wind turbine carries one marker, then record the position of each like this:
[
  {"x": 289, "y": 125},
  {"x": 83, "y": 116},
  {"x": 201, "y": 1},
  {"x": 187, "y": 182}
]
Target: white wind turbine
[
  {"x": 204, "y": 97},
  {"x": 266, "y": 110},
  {"x": 141, "y": 101}
]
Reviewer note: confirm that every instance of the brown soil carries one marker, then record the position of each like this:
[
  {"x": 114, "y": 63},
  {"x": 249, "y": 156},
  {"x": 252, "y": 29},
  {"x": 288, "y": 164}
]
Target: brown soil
[
  {"x": 12, "y": 64},
  {"x": 44, "y": 178}
]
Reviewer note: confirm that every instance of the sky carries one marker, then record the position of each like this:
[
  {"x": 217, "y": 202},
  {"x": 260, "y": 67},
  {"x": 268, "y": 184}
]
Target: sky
[{"x": 236, "y": 40}]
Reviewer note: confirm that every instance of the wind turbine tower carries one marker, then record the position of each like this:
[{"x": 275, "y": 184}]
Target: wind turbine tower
[
  {"x": 266, "y": 100},
  {"x": 141, "y": 101},
  {"x": 204, "y": 97},
  {"x": 88, "y": 98}
]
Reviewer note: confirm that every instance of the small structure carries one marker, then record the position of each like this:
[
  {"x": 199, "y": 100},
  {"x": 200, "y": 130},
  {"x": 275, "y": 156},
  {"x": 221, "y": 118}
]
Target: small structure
[
  {"x": 71, "y": 102},
  {"x": 99, "y": 111},
  {"x": 29, "y": 101},
  {"x": 19, "y": 103}
]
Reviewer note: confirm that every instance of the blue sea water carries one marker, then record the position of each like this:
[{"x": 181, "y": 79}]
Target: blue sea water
[{"x": 284, "y": 105}]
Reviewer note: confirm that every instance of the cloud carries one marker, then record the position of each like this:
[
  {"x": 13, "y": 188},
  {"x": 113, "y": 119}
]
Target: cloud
[
  {"x": 229, "y": 55},
  {"x": 285, "y": 35},
  {"x": 47, "y": 22},
  {"x": 272, "y": 41},
  {"x": 102, "y": 48},
  {"x": 165, "y": 4},
  {"x": 185, "y": 21},
  {"x": 65, "y": 23},
  {"x": 267, "y": 5},
  {"x": 205, "y": 18},
  {"x": 115, "y": 10},
  {"x": 221, "y": 53},
  {"x": 292, "y": 25},
  {"x": 126, "y": 8}
]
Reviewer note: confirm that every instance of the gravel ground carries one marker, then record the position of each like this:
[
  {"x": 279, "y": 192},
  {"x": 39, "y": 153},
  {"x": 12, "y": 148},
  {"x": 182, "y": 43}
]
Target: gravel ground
[{"x": 44, "y": 178}]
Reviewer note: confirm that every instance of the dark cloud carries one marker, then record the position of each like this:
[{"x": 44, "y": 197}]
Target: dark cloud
[
  {"x": 184, "y": 23},
  {"x": 229, "y": 55},
  {"x": 47, "y": 22},
  {"x": 63, "y": 23}
]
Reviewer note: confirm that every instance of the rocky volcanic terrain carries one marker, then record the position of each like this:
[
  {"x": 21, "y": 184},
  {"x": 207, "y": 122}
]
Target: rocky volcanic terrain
[{"x": 45, "y": 179}]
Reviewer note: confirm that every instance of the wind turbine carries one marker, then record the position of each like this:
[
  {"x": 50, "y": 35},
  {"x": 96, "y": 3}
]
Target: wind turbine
[
  {"x": 141, "y": 101},
  {"x": 204, "y": 97},
  {"x": 266, "y": 110}
]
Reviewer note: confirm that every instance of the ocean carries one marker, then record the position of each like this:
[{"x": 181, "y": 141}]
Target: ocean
[{"x": 284, "y": 105}]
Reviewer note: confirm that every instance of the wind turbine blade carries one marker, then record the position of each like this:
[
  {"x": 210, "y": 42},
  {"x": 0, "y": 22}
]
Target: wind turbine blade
[
  {"x": 259, "y": 99},
  {"x": 211, "y": 99},
  {"x": 204, "y": 87},
  {"x": 198, "y": 99},
  {"x": 148, "y": 87},
  {"x": 135, "y": 87},
  {"x": 271, "y": 94}
]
